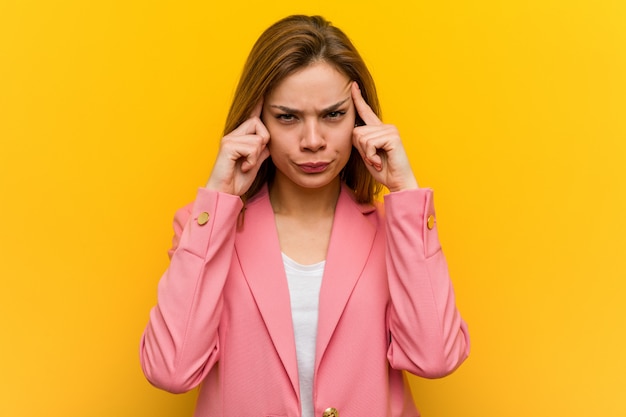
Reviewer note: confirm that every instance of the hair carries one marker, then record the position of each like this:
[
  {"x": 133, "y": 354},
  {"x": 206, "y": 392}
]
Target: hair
[{"x": 287, "y": 46}]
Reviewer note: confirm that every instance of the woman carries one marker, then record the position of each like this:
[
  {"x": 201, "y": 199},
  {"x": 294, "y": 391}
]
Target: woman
[{"x": 290, "y": 292}]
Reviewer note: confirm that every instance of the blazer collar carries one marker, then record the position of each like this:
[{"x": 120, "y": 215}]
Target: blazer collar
[{"x": 259, "y": 254}]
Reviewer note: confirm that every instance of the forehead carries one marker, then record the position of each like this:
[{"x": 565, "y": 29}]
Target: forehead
[{"x": 319, "y": 84}]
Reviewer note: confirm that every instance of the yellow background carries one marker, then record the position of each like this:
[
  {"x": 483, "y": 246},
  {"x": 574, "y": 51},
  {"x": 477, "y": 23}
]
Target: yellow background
[{"x": 512, "y": 110}]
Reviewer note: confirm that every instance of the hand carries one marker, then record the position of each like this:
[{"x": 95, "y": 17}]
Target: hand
[
  {"x": 240, "y": 155},
  {"x": 381, "y": 148}
]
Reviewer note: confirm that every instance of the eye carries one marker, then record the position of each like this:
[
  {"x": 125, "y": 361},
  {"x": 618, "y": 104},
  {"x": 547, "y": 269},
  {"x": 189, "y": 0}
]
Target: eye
[
  {"x": 334, "y": 115},
  {"x": 286, "y": 117}
]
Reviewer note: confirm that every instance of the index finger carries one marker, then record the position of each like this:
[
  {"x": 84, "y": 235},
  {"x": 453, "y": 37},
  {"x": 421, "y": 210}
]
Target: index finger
[
  {"x": 257, "y": 110},
  {"x": 362, "y": 108},
  {"x": 254, "y": 123}
]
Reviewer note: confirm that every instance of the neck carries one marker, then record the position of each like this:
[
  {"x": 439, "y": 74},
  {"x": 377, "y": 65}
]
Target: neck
[{"x": 290, "y": 200}]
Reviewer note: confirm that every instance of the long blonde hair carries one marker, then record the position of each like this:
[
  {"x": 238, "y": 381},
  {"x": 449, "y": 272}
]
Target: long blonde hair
[{"x": 285, "y": 47}]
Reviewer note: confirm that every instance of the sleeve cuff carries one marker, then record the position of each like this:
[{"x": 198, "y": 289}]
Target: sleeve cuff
[{"x": 414, "y": 210}]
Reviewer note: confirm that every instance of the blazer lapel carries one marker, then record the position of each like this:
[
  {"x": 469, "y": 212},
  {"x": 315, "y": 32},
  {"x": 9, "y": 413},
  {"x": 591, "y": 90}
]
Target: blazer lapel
[
  {"x": 260, "y": 257},
  {"x": 259, "y": 254},
  {"x": 351, "y": 241}
]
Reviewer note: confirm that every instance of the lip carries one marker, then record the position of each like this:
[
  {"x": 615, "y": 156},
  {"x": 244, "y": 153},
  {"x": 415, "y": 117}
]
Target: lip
[{"x": 313, "y": 167}]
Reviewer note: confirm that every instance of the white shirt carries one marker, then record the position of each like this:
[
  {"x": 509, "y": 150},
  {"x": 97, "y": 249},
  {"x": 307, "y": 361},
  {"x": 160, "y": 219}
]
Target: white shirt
[{"x": 304, "y": 283}]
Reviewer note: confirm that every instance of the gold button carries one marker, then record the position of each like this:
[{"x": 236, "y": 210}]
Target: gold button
[
  {"x": 331, "y": 412},
  {"x": 203, "y": 218},
  {"x": 430, "y": 223}
]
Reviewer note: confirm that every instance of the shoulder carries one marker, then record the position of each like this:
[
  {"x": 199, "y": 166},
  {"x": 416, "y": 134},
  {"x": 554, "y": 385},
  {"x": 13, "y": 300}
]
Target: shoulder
[
  {"x": 350, "y": 210},
  {"x": 259, "y": 198}
]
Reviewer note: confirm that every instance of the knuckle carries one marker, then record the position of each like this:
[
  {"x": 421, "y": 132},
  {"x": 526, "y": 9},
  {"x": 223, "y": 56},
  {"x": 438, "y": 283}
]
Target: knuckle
[{"x": 259, "y": 140}]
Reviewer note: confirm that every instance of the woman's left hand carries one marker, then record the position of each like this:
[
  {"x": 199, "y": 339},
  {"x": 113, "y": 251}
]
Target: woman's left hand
[{"x": 381, "y": 148}]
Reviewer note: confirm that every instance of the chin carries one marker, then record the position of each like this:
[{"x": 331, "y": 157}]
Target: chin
[{"x": 314, "y": 184}]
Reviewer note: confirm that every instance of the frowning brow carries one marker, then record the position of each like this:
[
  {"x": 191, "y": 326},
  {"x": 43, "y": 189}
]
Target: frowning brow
[{"x": 328, "y": 109}]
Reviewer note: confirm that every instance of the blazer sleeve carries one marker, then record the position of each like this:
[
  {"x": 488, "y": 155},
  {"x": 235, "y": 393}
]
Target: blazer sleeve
[
  {"x": 428, "y": 336},
  {"x": 180, "y": 343}
]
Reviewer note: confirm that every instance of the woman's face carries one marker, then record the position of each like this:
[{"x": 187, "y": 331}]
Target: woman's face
[{"x": 310, "y": 116}]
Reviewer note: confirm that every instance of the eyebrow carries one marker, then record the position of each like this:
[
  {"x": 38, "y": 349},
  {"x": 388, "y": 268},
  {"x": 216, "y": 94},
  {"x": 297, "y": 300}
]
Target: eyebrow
[{"x": 328, "y": 109}]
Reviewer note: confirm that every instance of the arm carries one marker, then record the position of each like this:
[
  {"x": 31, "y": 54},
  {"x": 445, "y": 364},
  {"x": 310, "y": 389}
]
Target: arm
[
  {"x": 180, "y": 344},
  {"x": 428, "y": 336}
]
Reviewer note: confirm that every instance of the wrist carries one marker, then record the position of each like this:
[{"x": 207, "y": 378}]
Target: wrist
[{"x": 406, "y": 185}]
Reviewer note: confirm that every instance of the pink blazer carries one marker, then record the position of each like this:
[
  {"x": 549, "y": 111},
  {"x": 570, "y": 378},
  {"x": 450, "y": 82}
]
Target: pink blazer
[{"x": 223, "y": 318}]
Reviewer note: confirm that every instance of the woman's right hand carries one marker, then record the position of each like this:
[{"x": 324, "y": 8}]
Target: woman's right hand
[{"x": 240, "y": 155}]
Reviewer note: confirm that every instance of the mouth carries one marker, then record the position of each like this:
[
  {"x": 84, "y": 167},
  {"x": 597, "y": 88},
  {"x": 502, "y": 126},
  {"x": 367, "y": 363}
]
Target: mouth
[{"x": 313, "y": 167}]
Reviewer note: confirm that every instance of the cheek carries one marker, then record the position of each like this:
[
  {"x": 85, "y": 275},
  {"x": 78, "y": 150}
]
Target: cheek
[
  {"x": 344, "y": 136},
  {"x": 278, "y": 138}
]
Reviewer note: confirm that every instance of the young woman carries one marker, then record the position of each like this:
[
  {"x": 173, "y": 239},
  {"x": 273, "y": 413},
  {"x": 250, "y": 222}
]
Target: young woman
[{"x": 290, "y": 291}]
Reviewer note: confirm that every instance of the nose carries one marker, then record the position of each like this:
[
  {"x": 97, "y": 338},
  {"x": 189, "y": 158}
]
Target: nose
[{"x": 312, "y": 137}]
